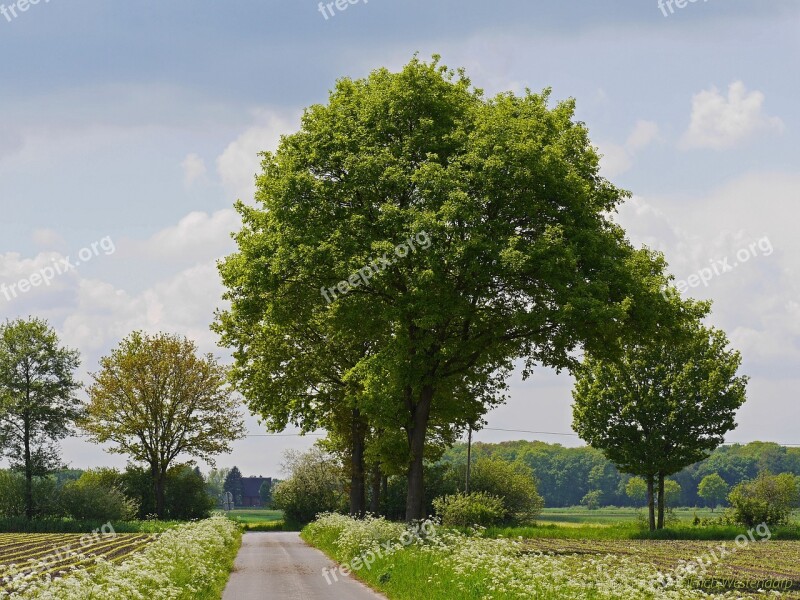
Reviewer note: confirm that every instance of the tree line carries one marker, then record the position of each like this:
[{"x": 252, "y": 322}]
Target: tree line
[
  {"x": 155, "y": 399},
  {"x": 564, "y": 475}
]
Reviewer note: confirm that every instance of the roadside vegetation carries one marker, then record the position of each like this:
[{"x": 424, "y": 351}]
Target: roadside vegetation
[{"x": 189, "y": 562}]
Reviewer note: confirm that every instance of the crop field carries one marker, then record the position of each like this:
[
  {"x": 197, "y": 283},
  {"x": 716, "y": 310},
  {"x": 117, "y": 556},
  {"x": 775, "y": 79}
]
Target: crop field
[
  {"x": 57, "y": 554},
  {"x": 775, "y": 561}
]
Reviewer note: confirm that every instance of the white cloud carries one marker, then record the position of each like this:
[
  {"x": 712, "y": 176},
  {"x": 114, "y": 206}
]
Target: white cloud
[
  {"x": 617, "y": 159},
  {"x": 643, "y": 134},
  {"x": 719, "y": 122},
  {"x": 240, "y": 161},
  {"x": 196, "y": 237},
  {"x": 194, "y": 169}
]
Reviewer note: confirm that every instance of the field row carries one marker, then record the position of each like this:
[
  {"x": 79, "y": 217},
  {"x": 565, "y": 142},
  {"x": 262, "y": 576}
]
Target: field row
[{"x": 40, "y": 554}]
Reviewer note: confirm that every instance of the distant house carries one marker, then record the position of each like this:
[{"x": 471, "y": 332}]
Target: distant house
[{"x": 251, "y": 487}]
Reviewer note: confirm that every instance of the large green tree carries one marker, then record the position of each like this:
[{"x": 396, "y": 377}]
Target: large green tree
[
  {"x": 713, "y": 490},
  {"x": 464, "y": 233},
  {"x": 663, "y": 405},
  {"x": 38, "y": 404},
  {"x": 156, "y": 399}
]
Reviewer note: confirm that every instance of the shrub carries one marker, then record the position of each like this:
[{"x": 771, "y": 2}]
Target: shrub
[
  {"x": 513, "y": 482},
  {"x": 766, "y": 499},
  {"x": 97, "y": 495},
  {"x": 592, "y": 499},
  {"x": 466, "y": 510},
  {"x": 314, "y": 486},
  {"x": 185, "y": 493},
  {"x": 12, "y": 495}
]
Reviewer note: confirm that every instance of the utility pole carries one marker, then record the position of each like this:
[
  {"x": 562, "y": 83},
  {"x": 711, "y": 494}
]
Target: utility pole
[{"x": 469, "y": 458}]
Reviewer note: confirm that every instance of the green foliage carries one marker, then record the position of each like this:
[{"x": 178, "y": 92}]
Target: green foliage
[
  {"x": 45, "y": 495},
  {"x": 513, "y": 482},
  {"x": 265, "y": 492},
  {"x": 672, "y": 493},
  {"x": 38, "y": 404},
  {"x": 233, "y": 485},
  {"x": 155, "y": 398},
  {"x": 766, "y": 499},
  {"x": 215, "y": 483},
  {"x": 185, "y": 494},
  {"x": 466, "y": 510},
  {"x": 592, "y": 499},
  {"x": 636, "y": 489},
  {"x": 713, "y": 489},
  {"x": 500, "y": 194},
  {"x": 98, "y": 495},
  {"x": 314, "y": 486}
]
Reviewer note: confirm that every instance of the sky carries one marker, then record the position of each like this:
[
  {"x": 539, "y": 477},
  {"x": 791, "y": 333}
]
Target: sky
[{"x": 128, "y": 130}]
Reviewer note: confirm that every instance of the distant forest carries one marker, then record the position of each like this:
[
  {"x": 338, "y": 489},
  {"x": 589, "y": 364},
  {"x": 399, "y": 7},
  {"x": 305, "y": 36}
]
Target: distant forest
[{"x": 565, "y": 475}]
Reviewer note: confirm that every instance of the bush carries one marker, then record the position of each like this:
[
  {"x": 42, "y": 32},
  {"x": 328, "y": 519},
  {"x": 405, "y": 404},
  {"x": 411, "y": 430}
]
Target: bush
[
  {"x": 185, "y": 493},
  {"x": 513, "y": 482},
  {"x": 466, "y": 510},
  {"x": 12, "y": 496},
  {"x": 97, "y": 495},
  {"x": 314, "y": 486},
  {"x": 766, "y": 499}
]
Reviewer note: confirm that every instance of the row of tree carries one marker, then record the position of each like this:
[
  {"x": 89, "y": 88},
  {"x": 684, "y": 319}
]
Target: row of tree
[
  {"x": 523, "y": 264},
  {"x": 154, "y": 399},
  {"x": 565, "y": 475}
]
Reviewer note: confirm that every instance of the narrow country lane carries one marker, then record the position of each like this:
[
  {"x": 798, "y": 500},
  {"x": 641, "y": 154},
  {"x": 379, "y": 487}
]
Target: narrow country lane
[{"x": 282, "y": 566}]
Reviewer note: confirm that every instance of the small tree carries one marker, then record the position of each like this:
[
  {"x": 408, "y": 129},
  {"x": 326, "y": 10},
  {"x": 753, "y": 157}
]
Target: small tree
[
  {"x": 592, "y": 499},
  {"x": 265, "y": 492},
  {"x": 663, "y": 405},
  {"x": 314, "y": 485},
  {"x": 38, "y": 404},
  {"x": 156, "y": 399},
  {"x": 215, "y": 483},
  {"x": 233, "y": 485},
  {"x": 672, "y": 493},
  {"x": 713, "y": 490},
  {"x": 766, "y": 499},
  {"x": 636, "y": 489}
]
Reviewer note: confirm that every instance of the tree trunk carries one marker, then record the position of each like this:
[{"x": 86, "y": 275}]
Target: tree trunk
[
  {"x": 417, "y": 432},
  {"x": 159, "y": 479},
  {"x": 661, "y": 500},
  {"x": 358, "y": 500},
  {"x": 28, "y": 470},
  {"x": 651, "y": 509},
  {"x": 384, "y": 489},
  {"x": 469, "y": 460},
  {"x": 375, "y": 493}
]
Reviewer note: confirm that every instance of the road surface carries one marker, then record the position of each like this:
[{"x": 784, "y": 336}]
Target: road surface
[{"x": 280, "y": 565}]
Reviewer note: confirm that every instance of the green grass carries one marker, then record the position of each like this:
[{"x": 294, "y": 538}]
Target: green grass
[
  {"x": 260, "y": 519},
  {"x": 50, "y": 525}
]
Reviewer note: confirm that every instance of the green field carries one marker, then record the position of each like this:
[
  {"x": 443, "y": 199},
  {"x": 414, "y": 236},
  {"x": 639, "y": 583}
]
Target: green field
[{"x": 258, "y": 519}]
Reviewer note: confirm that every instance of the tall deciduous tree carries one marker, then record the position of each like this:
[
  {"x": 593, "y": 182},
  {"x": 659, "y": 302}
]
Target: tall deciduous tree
[
  {"x": 713, "y": 489},
  {"x": 664, "y": 405},
  {"x": 157, "y": 399},
  {"x": 38, "y": 404},
  {"x": 464, "y": 233}
]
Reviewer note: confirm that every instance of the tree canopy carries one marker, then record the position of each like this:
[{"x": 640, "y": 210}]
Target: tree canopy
[
  {"x": 664, "y": 404},
  {"x": 156, "y": 399},
  {"x": 465, "y": 233},
  {"x": 38, "y": 404}
]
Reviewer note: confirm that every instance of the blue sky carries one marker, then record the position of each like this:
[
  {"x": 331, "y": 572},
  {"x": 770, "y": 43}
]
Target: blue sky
[{"x": 140, "y": 123}]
